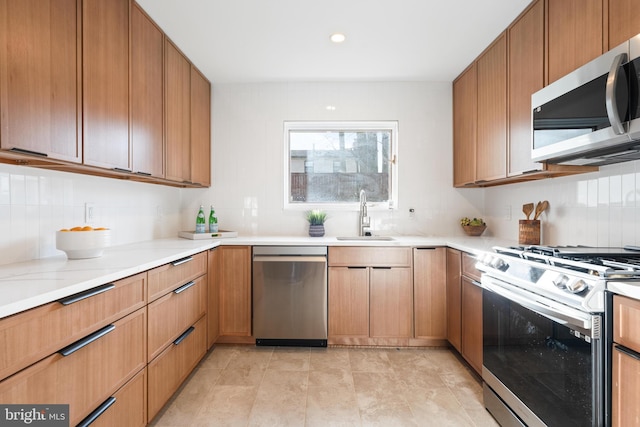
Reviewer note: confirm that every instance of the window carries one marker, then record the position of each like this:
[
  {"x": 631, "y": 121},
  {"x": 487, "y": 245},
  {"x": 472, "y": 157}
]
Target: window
[{"x": 328, "y": 163}]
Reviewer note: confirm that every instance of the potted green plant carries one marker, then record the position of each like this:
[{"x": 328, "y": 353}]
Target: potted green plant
[{"x": 316, "y": 218}]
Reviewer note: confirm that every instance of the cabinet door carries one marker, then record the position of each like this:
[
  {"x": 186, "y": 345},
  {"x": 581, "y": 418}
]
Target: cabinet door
[
  {"x": 465, "y": 96},
  {"x": 472, "y": 323},
  {"x": 177, "y": 114},
  {"x": 39, "y": 77},
  {"x": 348, "y": 302},
  {"x": 454, "y": 299},
  {"x": 146, "y": 94},
  {"x": 429, "y": 293},
  {"x": 234, "y": 279},
  {"x": 625, "y": 384},
  {"x": 213, "y": 298},
  {"x": 391, "y": 308},
  {"x": 491, "y": 150},
  {"x": 575, "y": 35},
  {"x": 105, "y": 74},
  {"x": 526, "y": 76},
  {"x": 624, "y": 21},
  {"x": 200, "y": 129}
]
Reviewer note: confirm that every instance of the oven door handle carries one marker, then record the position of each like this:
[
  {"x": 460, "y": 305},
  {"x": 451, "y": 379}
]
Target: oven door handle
[{"x": 556, "y": 315}]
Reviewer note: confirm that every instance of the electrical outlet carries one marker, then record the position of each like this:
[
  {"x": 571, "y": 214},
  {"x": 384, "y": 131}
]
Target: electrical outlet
[
  {"x": 412, "y": 213},
  {"x": 89, "y": 213}
]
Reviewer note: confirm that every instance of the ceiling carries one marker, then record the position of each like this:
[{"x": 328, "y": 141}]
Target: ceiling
[{"x": 288, "y": 40}]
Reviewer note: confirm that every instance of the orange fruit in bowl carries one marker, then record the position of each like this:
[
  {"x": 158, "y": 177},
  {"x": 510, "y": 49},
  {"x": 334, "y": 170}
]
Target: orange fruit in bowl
[
  {"x": 76, "y": 229},
  {"x": 100, "y": 229},
  {"x": 87, "y": 228},
  {"x": 64, "y": 229}
]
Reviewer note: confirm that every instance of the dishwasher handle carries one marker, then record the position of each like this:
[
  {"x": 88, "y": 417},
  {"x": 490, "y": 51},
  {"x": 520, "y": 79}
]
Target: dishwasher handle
[{"x": 288, "y": 258}]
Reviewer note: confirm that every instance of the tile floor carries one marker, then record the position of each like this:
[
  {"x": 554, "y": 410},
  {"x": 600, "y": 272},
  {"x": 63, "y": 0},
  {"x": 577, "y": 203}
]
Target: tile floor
[{"x": 282, "y": 386}]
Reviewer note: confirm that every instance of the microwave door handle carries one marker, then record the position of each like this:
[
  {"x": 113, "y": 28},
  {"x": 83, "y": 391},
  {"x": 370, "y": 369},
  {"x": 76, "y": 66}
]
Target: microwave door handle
[{"x": 610, "y": 95}]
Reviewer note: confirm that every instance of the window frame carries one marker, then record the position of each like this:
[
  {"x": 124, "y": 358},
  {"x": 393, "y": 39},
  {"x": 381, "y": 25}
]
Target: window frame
[{"x": 352, "y": 125}]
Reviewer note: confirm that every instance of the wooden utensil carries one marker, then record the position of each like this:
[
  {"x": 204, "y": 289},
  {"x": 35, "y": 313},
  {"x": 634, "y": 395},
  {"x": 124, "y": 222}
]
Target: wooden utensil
[
  {"x": 527, "y": 208},
  {"x": 540, "y": 207}
]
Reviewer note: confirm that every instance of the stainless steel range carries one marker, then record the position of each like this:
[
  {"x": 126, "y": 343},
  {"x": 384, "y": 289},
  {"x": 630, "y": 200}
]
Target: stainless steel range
[{"x": 546, "y": 332}]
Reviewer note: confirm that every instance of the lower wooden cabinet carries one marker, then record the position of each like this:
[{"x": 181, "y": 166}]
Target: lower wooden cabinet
[
  {"x": 430, "y": 294},
  {"x": 625, "y": 379},
  {"x": 390, "y": 304},
  {"x": 454, "y": 298},
  {"x": 213, "y": 299},
  {"x": 348, "y": 302},
  {"x": 173, "y": 365},
  {"x": 464, "y": 307},
  {"x": 472, "y": 323},
  {"x": 92, "y": 369},
  {"x": 128, "y": 406},
  {"x": 233, "y": 277},
  {"x": 370, "y": 296}
]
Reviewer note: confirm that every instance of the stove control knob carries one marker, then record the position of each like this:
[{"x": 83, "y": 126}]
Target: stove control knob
[
  {"x": 499, "y": 264},
  {"x": 561, "y": 281},
  {"x": 576, "y": 286}
]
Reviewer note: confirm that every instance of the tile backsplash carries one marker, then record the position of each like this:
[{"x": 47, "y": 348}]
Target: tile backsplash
[
  {"x": 34, "y": 203},
  {"x": 600, "y": 208}
]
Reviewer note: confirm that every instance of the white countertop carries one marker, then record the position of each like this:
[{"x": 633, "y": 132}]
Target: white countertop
[{"x": 29, "y": 284}]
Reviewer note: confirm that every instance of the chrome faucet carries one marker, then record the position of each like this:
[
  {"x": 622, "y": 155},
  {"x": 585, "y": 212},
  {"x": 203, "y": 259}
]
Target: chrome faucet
[{"x": 363, "y": 220}]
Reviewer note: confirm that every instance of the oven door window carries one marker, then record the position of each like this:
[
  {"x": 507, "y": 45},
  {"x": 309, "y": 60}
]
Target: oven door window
[{"x": 538, "y": 360}]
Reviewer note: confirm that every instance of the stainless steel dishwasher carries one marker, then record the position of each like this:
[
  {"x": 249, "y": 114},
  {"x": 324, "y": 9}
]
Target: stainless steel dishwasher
[{"x": 290, "y": 295}]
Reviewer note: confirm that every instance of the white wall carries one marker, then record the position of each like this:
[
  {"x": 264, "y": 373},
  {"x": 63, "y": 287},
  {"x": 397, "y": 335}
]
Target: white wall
[
  {"x": 34, "y": 203},
  {"x": 597, "y": 209},
  {"x": 248, "y": 156}
]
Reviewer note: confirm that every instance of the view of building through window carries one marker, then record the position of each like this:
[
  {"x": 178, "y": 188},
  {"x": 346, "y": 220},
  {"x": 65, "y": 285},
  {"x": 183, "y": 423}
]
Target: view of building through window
[{"x": 332, "y": 162}]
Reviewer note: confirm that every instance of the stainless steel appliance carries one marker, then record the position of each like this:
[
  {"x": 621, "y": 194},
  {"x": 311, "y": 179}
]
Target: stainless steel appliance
[
  {"x": 546, "y": 332},
  {"x": 591, "y": 116},
  {"x": 290, "y": 295}
]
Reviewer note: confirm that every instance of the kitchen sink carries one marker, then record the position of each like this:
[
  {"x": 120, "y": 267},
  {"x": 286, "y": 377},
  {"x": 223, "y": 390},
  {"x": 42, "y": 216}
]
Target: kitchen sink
[{"x": 365, "y": 238}]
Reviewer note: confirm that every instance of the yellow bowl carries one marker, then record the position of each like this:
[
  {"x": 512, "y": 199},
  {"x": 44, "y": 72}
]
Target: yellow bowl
[{"x": 83, "y": 244}]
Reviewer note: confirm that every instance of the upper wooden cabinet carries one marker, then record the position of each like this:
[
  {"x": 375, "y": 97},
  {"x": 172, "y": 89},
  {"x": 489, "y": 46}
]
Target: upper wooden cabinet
[
  {"x": 624, "y": 21},
  {"x": 146, "y": 94},
  {"x": 526, "y": 76},
  {"x": 177, "y": 114},
  {"x": 39, "y": 78},
  {"x": 492, "y": 106},
  {"x": 465, "y": 104},
  {"x": 491, "y": 151},
  {"x": 575, "y": 35},
  {"x": 105, "y": 73},
  {"x": 200, "y": 128}
]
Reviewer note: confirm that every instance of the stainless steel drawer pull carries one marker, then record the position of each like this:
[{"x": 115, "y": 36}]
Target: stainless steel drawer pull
[
  {"x": 86, "y": 340},
  {"x": 184, "y": 335},
  {"x": 626, "y": 351},
  {"x": 184, "y": 287},
  {"x": 181, "y": 261},
  {"x": 99, "y": 411},
  {"x": 86, "y": 294}
]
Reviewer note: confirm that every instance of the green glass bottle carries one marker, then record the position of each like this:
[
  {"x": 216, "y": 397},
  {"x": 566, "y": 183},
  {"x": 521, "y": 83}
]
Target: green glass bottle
[
  {"x": 200, "y": 221},
  {"x": 213, "y": 221}
]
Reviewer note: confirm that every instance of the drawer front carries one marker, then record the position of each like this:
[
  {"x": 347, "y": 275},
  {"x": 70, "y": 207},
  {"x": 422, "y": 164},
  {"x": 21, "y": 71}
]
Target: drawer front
[
  {"x": 31, "y": 335},
  {"x": 469, "y": 266},
  {"x": 360, "y": 256},
  {"x": 172, "y": 314},
  {"x": 87, "y": 377},
  {"x": 170, "y": 369},
  {"x": 173, "y": 275},
  {"x": 626, "y": 322},
  {"x": 127, "y": 407}
]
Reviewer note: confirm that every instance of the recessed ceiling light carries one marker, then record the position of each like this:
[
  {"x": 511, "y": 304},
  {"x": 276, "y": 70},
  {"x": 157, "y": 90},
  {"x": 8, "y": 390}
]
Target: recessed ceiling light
[{"x": 337, "y": 37}]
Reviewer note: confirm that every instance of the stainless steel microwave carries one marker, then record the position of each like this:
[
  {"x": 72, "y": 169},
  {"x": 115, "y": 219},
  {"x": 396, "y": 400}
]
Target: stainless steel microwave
[{"x": 592, "y": 115}]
